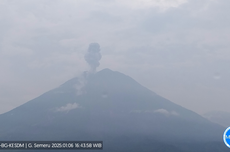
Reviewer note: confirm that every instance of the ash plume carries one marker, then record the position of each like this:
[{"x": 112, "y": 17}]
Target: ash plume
[{"x": 93, "y": 56}]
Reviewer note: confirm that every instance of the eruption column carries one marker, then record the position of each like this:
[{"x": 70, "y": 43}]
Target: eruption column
[{"x": 93, "y": 56}]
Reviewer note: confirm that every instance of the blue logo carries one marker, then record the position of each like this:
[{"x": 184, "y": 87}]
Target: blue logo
[{"x": 226, "y": 137}]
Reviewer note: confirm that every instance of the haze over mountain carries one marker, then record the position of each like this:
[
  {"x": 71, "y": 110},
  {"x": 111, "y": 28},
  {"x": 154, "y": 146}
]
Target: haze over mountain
[
  {"x": 112, "y": 107},
  {"x": 220, "y": 117},
  {"x": 178, "y": 49}
]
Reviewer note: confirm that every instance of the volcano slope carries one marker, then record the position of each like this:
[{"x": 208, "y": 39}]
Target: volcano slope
[{"x": 111, "y": 107}]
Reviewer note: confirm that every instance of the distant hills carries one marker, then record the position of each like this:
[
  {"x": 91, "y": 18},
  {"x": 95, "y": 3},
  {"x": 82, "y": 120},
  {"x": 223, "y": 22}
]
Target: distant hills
[{"x": 114, "y": 108}]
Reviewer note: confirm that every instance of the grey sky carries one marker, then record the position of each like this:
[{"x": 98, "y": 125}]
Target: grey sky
[{"x": 178, "y": 48}]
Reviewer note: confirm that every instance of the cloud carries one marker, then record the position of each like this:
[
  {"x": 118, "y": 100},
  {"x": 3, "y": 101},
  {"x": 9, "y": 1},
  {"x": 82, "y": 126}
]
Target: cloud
[
  {"x": 68, "y": 107},
  {"x": 168, "y": 40},
  {"x": 160, "y": 4},
  {"x": 166, "y": 112},
  {"x": 159, "y": 111},
  {"x": 69, "y": 42}
]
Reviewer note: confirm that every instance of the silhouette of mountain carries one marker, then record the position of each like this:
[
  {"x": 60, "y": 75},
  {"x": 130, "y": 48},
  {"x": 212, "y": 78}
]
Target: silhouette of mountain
[{"x": 114, "y": 108}]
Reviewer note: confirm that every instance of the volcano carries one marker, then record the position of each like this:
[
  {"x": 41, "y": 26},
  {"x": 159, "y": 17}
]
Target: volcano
[{"x": 111, "y": 107}]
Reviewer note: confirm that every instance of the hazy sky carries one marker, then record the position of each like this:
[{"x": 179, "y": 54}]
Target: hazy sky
[{"x": 180, "y": 49}]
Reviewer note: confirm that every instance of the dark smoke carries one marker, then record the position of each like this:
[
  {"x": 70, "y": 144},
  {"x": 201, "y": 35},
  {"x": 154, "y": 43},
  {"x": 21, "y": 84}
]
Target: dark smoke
[{"x": 93, "y": 56}]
